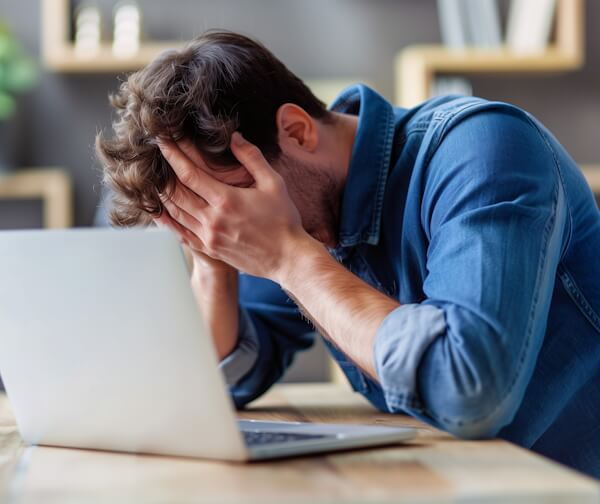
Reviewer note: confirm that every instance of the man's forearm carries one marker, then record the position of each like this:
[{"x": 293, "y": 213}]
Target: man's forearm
[
  {"x": 345, "y": 309},
  {"x": 216, "y": 292}
]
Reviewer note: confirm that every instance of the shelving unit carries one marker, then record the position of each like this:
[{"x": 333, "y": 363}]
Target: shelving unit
[
  {"x": 58, "y": 50},
  {"x": 416, "y": 66},
  {"x": 52, "y": 185}
]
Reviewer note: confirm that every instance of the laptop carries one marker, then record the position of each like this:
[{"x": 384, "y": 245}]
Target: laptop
[{"x": 102, "y": 346}]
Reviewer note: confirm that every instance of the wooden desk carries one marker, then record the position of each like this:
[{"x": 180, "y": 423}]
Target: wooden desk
[{"x": 432, "y": 468}]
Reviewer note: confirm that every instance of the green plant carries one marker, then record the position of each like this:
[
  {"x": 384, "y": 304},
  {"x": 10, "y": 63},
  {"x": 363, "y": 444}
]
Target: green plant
[{"x": 17, "y": 71}]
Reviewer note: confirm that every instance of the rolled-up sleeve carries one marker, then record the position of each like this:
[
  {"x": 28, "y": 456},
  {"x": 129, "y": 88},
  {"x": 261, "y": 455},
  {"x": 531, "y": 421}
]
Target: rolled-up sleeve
[
  {"x": 272, "y": 330},
  {"x": 398, "y": 351},
  {"x": 239, "y": 362},
  {"x": 495, "y": 217}
]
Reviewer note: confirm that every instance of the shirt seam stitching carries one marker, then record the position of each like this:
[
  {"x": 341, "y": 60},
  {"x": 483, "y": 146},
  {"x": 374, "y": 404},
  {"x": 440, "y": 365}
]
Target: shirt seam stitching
[{"x": 578, "y": 297}]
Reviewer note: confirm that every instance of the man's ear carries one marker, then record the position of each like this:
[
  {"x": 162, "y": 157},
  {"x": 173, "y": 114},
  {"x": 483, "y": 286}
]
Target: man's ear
[{"x": 296, "y": 128}]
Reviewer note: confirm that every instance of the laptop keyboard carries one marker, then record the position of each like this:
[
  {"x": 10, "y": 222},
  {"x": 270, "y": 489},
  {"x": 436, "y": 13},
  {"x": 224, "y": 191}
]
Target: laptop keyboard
[{"x": 254, "y": 438}]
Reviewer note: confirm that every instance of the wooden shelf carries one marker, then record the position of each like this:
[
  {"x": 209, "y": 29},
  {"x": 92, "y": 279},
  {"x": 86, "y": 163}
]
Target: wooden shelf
[
  {"x": 445, "y": 60},
  {"x": 52, "y": 185},
  {"x": 416, "y": 66},
  {"x": 58, "y": 51},
  {"x": 66, "y": 60}
]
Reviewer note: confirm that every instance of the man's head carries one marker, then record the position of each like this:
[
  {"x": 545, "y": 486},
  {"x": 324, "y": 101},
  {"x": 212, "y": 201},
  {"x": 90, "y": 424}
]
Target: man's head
[{"x": 221, "y": 82}]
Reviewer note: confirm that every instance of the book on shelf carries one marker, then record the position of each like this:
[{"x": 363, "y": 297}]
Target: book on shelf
[
  {"x": 490, "y": 16},
  {"x": 453, "y": 24},
  {"x": 530, "y": 25},
  {"x": 470, "y": 23}
]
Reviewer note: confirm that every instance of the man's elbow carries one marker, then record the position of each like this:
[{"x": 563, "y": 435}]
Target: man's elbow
[
  {"x": 485, "y": 428},
  {"x": 477, "y": 413},
  {"x": 463, "y": 383},
  {"x": 480, "y": 414}
]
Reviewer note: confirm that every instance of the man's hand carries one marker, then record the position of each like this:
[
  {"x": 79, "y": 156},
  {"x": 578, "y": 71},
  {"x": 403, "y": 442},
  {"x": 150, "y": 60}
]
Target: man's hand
[
  {"x": 258, "y": 230},
  {"x": 200, "y": 262},
  {"x": 254, "y": 229}
]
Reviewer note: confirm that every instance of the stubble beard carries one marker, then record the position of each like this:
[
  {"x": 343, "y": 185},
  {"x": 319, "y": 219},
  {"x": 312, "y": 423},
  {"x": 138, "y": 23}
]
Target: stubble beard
[{"x": 317, "y": 195}]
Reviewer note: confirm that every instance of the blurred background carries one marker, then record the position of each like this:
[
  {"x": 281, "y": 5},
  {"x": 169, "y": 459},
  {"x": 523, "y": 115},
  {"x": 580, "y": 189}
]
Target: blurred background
[{"x": 59, "y": 60}]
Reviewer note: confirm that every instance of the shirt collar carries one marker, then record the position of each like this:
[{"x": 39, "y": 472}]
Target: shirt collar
[{"x": 362, "y": 200}]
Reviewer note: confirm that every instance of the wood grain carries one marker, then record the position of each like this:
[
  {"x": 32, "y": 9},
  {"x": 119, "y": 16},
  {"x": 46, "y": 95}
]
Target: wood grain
[{"x": 432, "y": 468}]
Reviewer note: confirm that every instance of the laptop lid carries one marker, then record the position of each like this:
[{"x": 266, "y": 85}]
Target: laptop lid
[{"x": 102, "y": 345}]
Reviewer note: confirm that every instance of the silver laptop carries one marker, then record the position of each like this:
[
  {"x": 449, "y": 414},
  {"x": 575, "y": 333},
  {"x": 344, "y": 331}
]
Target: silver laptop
[{"x": 102, "y": 346}]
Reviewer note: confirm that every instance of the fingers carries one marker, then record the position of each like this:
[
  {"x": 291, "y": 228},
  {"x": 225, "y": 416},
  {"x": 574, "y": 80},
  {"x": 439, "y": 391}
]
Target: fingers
[
  {"x": 191, "y": 175},
  {"x": 183, "y": 212},
  {"x": 164, "y": 221},
  {"x": 183, "y": 218},
  {"x": 187, "y": 200},
  {"x": 186, "y": 236},
  {"x": 253, "y": 160},
  {"x": 190, "y": 150}
]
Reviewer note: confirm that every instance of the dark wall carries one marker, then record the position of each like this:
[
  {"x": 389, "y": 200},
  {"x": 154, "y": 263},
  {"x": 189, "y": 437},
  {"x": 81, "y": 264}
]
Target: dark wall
[{"x": 316, "y": 38}]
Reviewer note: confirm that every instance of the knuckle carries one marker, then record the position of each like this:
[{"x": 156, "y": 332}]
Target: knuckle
[
  {"x": 225, "y": 204},
  {"x": 174, "y": 212},
  {"x": 219, "y": 200},
  {"x": 175, "y": 197},
  {"x": 217, "y": 226},
  {"x": 186, "y": 177},
  {"x": 277, "y": 183}
]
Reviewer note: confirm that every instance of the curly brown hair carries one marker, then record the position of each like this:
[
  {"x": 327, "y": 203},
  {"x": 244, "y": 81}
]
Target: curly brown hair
[{"x": 219, "y": 83}]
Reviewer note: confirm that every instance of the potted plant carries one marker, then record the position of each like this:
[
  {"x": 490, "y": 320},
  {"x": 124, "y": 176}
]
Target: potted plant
[{"x": 17, "y": 74}]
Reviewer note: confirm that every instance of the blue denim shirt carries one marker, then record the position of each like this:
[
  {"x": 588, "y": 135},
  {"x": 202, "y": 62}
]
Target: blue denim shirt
[{"x": 474, "y": 217}]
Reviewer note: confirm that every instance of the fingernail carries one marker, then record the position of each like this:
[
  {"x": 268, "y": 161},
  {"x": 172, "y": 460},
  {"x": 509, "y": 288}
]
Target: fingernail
[{"x": 237, "y": 138}]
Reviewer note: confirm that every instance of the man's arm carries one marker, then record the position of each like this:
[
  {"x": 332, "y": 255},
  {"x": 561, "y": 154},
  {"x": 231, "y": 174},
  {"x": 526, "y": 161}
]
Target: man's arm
[
  {"x": 344, "y": 308},
  {"x": 495, "y": 222},
  {"x": 216, "y": 292}
]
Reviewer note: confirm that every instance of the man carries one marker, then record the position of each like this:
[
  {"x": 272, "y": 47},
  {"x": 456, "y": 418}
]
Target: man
[{"x": 446, "y": 253}]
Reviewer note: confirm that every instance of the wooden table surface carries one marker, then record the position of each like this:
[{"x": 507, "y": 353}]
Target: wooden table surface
[{"x": 432, "y": 468}]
